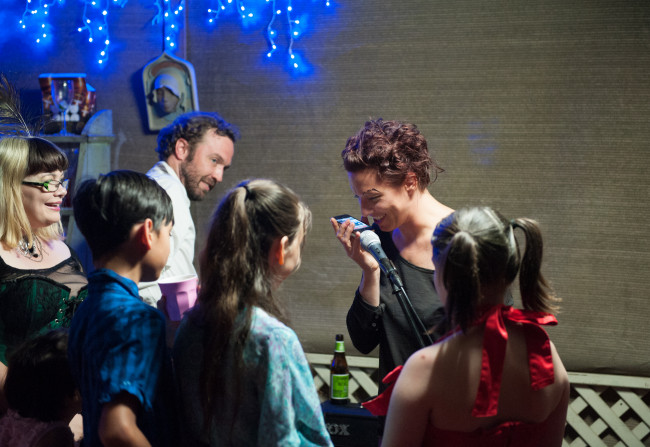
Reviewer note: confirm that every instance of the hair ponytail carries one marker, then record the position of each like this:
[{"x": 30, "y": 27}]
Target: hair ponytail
[
  {"x": 536, "y": 294},
  {"x": 478, "y": 256},
  {"x": 461, "y": 279}
]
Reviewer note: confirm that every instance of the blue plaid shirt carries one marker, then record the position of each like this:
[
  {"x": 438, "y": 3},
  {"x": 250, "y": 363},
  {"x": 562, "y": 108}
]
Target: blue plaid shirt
[{"x": 117, "y": 343}]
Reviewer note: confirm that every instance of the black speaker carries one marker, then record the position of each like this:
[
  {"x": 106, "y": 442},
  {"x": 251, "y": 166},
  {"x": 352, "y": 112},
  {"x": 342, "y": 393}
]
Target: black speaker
[{"x": 350, "y": 425}]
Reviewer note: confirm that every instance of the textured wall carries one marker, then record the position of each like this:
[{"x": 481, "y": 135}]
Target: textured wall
[{"x": 540, "y": 109}]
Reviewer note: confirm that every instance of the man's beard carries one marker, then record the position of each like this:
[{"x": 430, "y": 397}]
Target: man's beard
[{"x": 192, "y": 183}]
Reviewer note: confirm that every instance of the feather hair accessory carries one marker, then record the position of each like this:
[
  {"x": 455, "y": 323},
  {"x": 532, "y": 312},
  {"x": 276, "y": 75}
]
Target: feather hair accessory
[{"x": 13, "y": 121}]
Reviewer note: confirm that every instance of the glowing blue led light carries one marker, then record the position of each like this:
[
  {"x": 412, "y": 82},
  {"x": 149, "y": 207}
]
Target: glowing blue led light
[
  {"x": 96, "y": 15},
  {"x": 169, "y": 22},
  {"x": 295, "y": 25}
]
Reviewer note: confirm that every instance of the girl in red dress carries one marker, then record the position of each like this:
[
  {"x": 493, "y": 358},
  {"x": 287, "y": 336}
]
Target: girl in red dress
[{"x": 497, "y": 379}]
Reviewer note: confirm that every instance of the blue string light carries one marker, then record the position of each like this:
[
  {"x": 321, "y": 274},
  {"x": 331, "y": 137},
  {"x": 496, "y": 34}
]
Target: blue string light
[
  {"x": 295, "y": 26},
  {"x": 95, "y": 22},
  {"x": 170, "y": 22},
  {"x": 36, "y": 18}
]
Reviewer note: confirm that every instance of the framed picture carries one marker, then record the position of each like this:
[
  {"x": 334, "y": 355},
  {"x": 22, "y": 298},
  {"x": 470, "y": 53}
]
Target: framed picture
[{"x": 68, "y": 102}]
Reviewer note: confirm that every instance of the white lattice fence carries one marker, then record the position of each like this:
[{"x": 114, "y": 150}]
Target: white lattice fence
[
  {"x": 608, "y": 410},
  {"x": 363, "y": 376},
  {"x": 605, "y": 410}
]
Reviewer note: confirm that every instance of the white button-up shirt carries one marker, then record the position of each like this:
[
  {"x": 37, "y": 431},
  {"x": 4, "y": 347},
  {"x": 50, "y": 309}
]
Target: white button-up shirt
[{"x": 181, "y": 250}]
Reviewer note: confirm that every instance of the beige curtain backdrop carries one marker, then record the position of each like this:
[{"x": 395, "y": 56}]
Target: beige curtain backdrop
[{"x": 539, "y": 109}]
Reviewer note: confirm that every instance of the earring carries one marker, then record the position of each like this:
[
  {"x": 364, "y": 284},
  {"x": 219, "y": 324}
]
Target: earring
[{"x": 280, "y": 257}]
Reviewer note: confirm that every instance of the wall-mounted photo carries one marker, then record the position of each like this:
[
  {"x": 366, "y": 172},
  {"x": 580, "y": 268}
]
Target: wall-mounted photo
[{"x": 68, "y": 102}]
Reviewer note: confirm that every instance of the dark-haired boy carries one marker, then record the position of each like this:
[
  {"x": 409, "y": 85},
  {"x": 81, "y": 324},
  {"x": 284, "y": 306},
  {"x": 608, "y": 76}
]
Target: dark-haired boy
[{"x": 117, "y": 346}]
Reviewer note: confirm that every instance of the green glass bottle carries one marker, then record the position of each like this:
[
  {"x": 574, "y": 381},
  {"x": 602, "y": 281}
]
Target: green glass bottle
[{"x": 339, "y": 374}]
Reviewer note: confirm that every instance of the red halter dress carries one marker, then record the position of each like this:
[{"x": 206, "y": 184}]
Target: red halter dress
[{"x": 495, "y": 339}]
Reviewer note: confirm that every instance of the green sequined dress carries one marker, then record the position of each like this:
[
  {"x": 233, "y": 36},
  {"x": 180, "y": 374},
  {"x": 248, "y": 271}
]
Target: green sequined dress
[{"x": 35, "y": 301}]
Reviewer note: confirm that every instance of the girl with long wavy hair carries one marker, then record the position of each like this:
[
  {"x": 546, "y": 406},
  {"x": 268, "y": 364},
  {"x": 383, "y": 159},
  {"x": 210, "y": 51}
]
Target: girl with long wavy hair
[{"x": 242, "y": 373}]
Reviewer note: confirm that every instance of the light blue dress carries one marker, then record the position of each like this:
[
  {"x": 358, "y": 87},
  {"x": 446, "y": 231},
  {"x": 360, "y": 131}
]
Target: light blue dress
[{"x": 279, "y": 405}]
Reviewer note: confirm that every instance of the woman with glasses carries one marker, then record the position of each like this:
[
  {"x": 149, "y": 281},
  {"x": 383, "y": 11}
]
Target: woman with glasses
[{"x": 41, "y": 279}]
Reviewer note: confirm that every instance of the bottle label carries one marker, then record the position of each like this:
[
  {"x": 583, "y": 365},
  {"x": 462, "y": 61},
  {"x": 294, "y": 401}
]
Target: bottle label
[
  {"x": 339, "y": 347},
  {"x": 339, "y": 386}
]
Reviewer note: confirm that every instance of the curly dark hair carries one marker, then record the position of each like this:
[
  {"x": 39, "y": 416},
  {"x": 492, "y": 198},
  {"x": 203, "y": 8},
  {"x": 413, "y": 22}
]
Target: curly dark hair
[
  {"x": 393, "y": 149},
  {"x": 192, "y": 126}
]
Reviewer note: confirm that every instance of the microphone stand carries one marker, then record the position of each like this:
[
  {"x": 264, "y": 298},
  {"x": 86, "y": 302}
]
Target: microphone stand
[{"x": 424, "y": 339}]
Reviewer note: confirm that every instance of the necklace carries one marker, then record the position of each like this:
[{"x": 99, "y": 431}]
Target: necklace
[{"x": 35, "y": 252}]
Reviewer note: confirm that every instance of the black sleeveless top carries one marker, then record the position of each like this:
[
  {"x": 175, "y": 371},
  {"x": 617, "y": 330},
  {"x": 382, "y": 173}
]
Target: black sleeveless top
[{"x": 37, "y": 300}]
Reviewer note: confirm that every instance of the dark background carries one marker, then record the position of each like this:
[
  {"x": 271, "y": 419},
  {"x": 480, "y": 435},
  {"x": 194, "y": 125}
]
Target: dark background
[{"x": 539, "y": 109}]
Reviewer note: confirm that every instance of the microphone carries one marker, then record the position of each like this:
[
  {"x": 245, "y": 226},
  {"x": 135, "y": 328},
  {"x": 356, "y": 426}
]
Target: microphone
[{"x": 370, "y": 242}]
